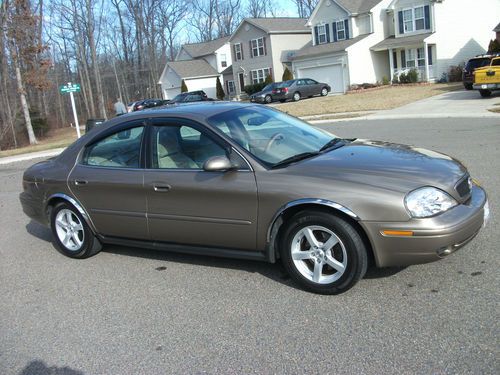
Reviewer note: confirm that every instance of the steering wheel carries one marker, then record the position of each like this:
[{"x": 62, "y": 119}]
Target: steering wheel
[{"x": 275, "y": 138}]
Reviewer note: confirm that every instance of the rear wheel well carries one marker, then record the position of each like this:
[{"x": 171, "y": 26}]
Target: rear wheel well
[
  {"x": 290, "y": 212},
  {"x": 52, "y": 203}
]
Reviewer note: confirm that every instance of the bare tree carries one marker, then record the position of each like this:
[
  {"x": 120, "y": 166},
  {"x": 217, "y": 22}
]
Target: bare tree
[{"x": 305, "y": 7}]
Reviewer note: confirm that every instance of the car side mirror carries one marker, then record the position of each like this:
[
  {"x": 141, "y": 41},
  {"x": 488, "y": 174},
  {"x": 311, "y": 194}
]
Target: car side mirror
[{"x": 218, "y": 164}]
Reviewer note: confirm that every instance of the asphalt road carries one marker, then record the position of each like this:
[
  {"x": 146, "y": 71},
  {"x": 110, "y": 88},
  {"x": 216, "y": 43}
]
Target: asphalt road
[{"x": 130, "y": 311}]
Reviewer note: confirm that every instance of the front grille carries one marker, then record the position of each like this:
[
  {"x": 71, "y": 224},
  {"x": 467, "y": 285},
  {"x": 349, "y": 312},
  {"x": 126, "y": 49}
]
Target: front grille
[{"x": 463, "y": 186}]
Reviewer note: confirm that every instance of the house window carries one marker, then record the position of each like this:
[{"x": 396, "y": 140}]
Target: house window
[
  {"x": 231, "y": 87},
  {"x": 257, "y": 47},
  {"x": 419, "y": 18},
  {"x": 322, "y": 34},
  {"x": 223, "y": 60},
  {"x": 259, "y": 75},
  {"x": 410, "y": 58},
  {"x": 408, "y": 20},
  {"x": 237, "y": 52},
  {"x": 421, "y": 57},
  {"x": 340, "y": 30}
]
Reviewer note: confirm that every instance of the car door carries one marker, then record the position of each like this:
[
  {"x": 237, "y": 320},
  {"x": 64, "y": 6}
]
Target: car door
[
  {"x": 108, "y": 181},
  {"x": 314, "y": 87},
  {"x": 188, "y": 205}
]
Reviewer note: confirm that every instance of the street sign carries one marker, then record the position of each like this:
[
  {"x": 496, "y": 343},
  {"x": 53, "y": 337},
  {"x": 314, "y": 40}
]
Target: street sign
[{"x": 69, "y": 87}]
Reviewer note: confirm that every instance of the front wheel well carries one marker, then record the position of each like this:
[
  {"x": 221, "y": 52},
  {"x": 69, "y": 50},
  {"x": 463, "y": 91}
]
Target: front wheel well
[{"x": 286, "y": 215}]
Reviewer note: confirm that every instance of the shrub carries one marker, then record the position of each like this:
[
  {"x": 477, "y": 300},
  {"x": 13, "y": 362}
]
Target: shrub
[
  {"x": 256, "y": 87},
  {"x": 184, "y": 88},
  {"x": 412, "y": 76},
  {"x": 494, "y": 46},
  {"x": 39, "y": 123},
  {"x": 385, "y": 80},
  {"x": 455, "y": 73},
  {"x": 395, "y": 78},
  {"x": 220, "y": 91},
  {"x": 403, "y": 78},
  {"x": 268, "y": 80},
  {"x": 287, "y": 75}
]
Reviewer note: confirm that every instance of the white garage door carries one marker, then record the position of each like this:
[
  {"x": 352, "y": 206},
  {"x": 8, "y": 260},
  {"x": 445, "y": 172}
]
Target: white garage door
[
  {"x": 331, "y": 74},
  {"x": 171, "y": 93}
]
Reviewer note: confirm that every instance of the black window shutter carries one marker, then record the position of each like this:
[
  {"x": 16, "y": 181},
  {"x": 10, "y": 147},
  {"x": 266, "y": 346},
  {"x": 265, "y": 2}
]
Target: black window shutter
[
  {"x": 427, "y": 14},
  {"x": 265, "y": 47},
  {"x": 403, "y": 59},
  {"x": 395, "y": 59},
  {"x": 327, "y": 30},
  {"x": 251, "y": 50},
  {"x": 401, "y": 25},
  {"x": 271, "y": 73},
  {"x": 346, "y": 26},
  {"x": 234, "y": 52},
  {"x": 241, "y": 49},
  {"x": 334, "y": 31},
  {"x": 429, "y": 54},
  {"x": 316, "y": 35}
]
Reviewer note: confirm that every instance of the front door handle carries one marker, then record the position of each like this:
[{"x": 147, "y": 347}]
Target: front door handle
[
  {"x": 81, "y": 182},
  {"x": 161, "y": 188}
]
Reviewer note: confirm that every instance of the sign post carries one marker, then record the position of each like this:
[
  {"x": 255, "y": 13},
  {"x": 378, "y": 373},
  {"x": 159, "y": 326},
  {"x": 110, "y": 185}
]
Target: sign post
[{"x": 71, "y": 88}]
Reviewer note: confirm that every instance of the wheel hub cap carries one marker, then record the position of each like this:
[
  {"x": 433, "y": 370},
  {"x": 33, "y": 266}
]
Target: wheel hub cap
[{"x": 69, "y": 230}]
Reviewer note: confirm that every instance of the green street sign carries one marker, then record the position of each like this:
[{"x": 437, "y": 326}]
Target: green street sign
[{"x": 69, "y": 87}]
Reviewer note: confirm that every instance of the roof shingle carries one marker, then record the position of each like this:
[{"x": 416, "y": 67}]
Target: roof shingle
[
  {"x": 358, "y": 6},
  {"x": 192, "y": 68},
  {"x": 280, "y": 24},
  {"x": 205, "y": 48},
  {"x": 310, "y": 51}
]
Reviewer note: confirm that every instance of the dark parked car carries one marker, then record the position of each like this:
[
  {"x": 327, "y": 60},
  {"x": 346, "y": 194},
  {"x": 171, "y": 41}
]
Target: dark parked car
[
  {"x": 265, "y": 95},
  {"x": 296, "y": 89},
  {"x": 188, "y": 97},
  {"x": 247, "y": 181},
  {"x": 148, "y": 103},
  {"x": 473, "y": 64}
]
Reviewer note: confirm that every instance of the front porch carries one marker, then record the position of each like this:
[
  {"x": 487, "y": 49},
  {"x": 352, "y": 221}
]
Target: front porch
[{"x": 409, "y": 53}]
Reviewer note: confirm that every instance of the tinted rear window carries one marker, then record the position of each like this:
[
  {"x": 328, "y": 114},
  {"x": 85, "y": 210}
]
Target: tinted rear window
[
  {"x": 477, "y": 63},
  {"x": 285, "y": 84}
]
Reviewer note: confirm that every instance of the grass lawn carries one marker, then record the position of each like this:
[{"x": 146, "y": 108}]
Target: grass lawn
[
  {"x": 371, "y": 100},
  {"x": 55, "y": 139}
]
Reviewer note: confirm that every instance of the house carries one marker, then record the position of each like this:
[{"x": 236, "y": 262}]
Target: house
[
  {"x": 357, "y": 41},
  {"x": 339, "y": 52},
  {"x": 199, "y": 65},
  {"x": 262, "y": 47},
  {"x": 496, "y": 30}
]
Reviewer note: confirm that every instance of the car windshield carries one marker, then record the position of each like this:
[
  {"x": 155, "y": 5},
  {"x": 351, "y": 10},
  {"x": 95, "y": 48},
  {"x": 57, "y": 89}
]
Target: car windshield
[
  {"x": 477, "y": 63},
  {"x": 178, "y": 97},
  {"x": 270, "y": 135},
  {"x": 269, "y": 87}
]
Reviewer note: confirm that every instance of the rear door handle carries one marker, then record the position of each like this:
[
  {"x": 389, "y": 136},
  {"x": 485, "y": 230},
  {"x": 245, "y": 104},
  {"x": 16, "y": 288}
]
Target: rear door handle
[
  {"x": 161, "y": 188},
  {"x": 81, "y": 182}
]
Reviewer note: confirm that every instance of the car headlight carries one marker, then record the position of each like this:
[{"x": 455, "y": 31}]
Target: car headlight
[{"x": 428, "y": 201}]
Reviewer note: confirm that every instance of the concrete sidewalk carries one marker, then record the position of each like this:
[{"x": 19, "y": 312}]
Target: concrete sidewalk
[{"x": 31, "y": 155}]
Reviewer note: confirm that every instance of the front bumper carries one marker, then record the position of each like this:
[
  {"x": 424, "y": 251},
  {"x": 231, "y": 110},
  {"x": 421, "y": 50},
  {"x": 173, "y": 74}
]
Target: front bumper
[
  {"x": 486, "y": 86},
  {"x": 433, "y": 238},
  {"x": 257, "y": 99}
]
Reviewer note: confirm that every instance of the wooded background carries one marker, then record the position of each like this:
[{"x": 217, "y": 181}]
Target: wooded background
[{"x": 113, "y": 48}]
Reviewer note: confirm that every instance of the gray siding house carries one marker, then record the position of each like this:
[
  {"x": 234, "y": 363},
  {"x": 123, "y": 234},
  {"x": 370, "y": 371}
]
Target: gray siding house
[{"x": 262, "y": 47}]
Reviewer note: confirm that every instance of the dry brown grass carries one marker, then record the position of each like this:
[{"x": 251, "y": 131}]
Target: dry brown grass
[
  {"x": 370, "y": 100},
  {"x": 55, "y": 139}
]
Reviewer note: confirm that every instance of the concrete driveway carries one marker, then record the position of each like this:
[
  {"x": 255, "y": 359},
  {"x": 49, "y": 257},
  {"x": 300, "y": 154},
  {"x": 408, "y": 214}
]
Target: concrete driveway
[{"x": 457, "y": 104}]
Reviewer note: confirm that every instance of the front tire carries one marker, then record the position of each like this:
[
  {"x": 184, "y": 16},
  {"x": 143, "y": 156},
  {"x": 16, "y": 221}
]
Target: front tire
[
  {"x": 72, "y": 235},
  {"x": 323, "y": 253},
  {"x": 485, "y": 93},
  {"x": 324, "y": 91},
  {"x": 468, "y": 86},
  {"x": 268, "y": 99}
]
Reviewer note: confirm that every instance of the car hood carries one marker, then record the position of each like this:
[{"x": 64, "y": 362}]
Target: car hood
[{"x": 384, "y": 165}]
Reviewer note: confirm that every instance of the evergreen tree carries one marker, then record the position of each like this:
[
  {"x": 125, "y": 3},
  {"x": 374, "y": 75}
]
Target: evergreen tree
[
  {"x": 184, "y": 88},
  {"x": 220, "y": 91},
  {"x": 287, "y": 74}
]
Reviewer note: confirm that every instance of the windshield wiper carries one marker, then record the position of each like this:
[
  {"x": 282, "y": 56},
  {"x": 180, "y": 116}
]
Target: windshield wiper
[
  {"x": 333, "y": 142},
  {"x": 294, "y": 158}
]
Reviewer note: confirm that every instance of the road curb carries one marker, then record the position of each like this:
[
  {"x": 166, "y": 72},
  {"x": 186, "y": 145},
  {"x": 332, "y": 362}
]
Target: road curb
[{"x": 31, "y": 155}]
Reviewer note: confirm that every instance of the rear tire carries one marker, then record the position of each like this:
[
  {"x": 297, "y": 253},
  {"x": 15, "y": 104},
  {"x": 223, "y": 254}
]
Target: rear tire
[
  {"x": 296, "y": 96},
  {"x": 485, "y": 93},
  {"x": 323, "y": 253},
  {"x": 72, "y": 235}
]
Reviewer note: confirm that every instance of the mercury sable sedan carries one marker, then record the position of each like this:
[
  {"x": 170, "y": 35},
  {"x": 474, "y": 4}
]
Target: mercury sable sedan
[{"x": 245, "y": 181}]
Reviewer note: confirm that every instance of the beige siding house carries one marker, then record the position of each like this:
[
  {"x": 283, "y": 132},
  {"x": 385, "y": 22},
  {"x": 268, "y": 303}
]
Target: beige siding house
[{"x": 262, "y": 47}]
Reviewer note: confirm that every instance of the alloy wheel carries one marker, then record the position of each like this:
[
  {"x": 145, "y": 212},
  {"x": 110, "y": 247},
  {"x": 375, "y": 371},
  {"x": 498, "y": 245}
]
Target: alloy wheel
[{"x": 69, "y": 230}]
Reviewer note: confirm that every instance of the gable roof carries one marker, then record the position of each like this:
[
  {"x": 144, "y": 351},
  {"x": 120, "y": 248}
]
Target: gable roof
[
  {"x": 205, "y": 48},
  {"x": 497, "y": 29},
  {"x": 322, "y": 49},
  {"x": 192, "y": 68},
  {"x": 277, "y": 25},
  {"x": 357, "y": 6}
]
